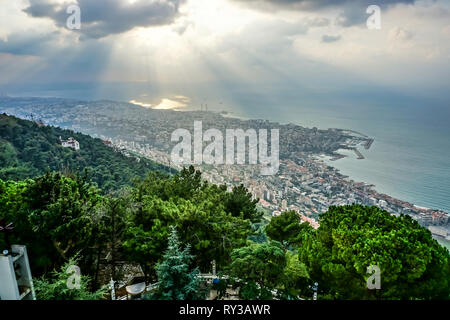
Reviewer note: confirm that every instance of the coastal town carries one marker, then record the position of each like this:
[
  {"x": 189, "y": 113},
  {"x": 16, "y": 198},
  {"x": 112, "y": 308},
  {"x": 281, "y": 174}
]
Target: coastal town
[
  {"x": 307, "y": 185},
  {"x": 305, "y": 181}
]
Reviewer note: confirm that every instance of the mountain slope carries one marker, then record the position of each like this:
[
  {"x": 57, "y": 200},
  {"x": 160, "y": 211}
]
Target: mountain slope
[{"x": 28, "y": 150}]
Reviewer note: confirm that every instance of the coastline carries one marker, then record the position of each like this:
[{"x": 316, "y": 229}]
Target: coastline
[
  {"x": 304, "y": 183},
  {"x": 332, "y": 162},
  {"x": 443, "y": 242}
]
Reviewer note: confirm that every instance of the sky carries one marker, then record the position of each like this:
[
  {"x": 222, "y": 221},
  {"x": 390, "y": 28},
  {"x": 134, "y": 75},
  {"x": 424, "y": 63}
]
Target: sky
[{"x": 182, "y": 53}]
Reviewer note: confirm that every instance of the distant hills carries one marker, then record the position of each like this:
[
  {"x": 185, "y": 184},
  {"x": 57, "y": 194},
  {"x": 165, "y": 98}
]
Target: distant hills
[{"x": 29, "y": 149}]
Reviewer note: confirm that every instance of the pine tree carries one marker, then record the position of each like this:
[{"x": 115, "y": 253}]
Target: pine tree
[{"x": 176, "y": 280}]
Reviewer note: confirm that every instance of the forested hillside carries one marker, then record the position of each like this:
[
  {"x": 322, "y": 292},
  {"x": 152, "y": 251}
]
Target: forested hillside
[{"x": 28, "y": 150}]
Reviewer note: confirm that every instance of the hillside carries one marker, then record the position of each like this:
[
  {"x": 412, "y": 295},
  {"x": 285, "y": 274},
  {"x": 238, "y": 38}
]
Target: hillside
[{"x": 28, "y": 150}]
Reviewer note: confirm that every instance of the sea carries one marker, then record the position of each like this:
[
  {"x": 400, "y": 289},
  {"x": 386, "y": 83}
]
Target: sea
[{"x": 409, "y": 159}]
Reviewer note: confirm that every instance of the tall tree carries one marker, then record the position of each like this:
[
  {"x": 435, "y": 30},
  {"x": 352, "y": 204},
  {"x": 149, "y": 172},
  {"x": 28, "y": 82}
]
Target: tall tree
[
  {"x": 239, "y": 203},
  {"x": 62, "y": 285},
  {"x": 296, "y": 278},
  {"x": 58, "y": 211},
  {"x": 109, "y": 228},
  {"x": 212, "y": 232},
  {"x": 288, "y": 229},
  {"x": 176, "y": 279},
  {"x": 147, "y": 231},
  {"x": 199, "y": 214},
  {"x": 259, "y": 269},
  {"x": 352, "y": 238}
]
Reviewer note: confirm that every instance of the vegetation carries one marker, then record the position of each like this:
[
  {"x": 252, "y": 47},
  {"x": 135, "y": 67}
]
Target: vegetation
[
  {"x": 59, "y": 216},
  {"x": 351, "y": 238},
  {"x": 28, "y": 150},
  {"x": 259, "y": 268},
  {"x": 56, "y": 287},
  {"x": 196, "y": 209},
  {"x": 176, "y": 281},
  {"x": 288, "y": 229}
]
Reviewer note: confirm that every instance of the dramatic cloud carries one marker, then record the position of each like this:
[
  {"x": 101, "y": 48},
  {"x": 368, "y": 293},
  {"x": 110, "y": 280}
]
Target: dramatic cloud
[
  {"x": 220, "y": 49},
  {"x": 351, "y": 12},
  {"x": 101, "y": 18}
]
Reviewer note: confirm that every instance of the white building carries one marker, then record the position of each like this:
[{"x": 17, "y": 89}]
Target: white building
[
  {"x": 16, "y": 282},
  {"x": 70, "y": 143}
]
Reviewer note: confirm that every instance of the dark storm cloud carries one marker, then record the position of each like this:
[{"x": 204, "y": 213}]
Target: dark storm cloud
[
  {"x": 352, "y": 12},
  {"x": 100, "y": 18},
  {"x": 33, "y": 43}
]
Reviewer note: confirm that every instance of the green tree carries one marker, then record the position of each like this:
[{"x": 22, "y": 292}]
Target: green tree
[
  {"x": 147, "y": 231},
  {"x": 57, "y": 218},
  {"x": 108, "y": 230},
  {"x": 176, "y": 280},
  {"x": 187, "y": 182},
  {"x": 288, "y": 229},
  {"x": 212, "y": 232},
  {"x": 56, "y": 287},
  {"x": 11, "y": 201},
  {"x": 351, "y": 238},
  {"x": 199, "y": 214},
  {"x": 8, "y": 155},
  {"x": 258, "y": 268},
  {"x": 296, "y": 277},
  {"x": 239, "y": 203},
  {"x": 11, "y": 198}
]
